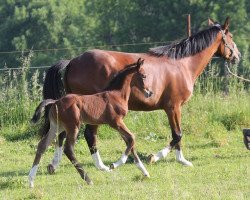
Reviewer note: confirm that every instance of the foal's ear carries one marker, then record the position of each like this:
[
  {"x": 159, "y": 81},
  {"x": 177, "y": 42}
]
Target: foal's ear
[
  {"x": 210, "y": 22},
  {"x": 140, "y": 62},
  {"x": 226, "y": 24}
]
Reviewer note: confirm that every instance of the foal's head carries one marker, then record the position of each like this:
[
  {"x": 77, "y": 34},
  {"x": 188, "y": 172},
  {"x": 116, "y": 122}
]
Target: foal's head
[
  {"x": 140, "y": 79},
  {"x": 227, "y": 48},
  {"x": 136, "y": 75}
]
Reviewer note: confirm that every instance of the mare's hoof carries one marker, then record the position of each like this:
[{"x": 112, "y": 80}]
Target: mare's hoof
[
  {"x": 111, "y": 167},
  {"x": 90, "y": 183},
  {"x": 151, "y": 159},
  {"x": 51, "y": 169},
  {"x": 186, "y": 163}
]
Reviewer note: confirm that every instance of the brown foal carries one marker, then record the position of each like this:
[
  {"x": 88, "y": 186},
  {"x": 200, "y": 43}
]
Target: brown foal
[{"x": 107, "y": 107}]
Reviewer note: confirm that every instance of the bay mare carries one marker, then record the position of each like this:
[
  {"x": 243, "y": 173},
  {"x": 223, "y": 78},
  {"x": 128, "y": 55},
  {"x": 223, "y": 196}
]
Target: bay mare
[
  {"x": 108, "y": 107},
  {"x": 173, "y": 70}
]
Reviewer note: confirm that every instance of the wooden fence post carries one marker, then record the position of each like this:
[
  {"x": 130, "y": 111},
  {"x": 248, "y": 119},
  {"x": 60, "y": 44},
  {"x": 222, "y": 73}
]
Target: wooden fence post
[
  {"x": 188, "y": 25},
  {"x": 226, "y": 78}
]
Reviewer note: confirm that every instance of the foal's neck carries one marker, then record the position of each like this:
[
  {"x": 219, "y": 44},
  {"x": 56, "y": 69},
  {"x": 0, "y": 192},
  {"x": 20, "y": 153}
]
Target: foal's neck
[{"x": 125, "y": 90}]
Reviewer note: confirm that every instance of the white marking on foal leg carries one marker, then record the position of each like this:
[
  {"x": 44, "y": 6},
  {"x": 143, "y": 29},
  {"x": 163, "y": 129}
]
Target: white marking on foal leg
[
  {"x": 32, "y": 175},
  {"x": 142, "y": 168},
  {"x": 121, "y": 161},
  {"x": 57, "y": 157},
  {"x": 162, "y": 154},
  {"x": 180, "y": 158},
  {"x": 98, "y": 162}
]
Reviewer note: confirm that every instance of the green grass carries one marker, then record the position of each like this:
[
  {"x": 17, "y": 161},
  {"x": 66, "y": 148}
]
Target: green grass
[
  {"x": 212, "y": 141},
  {"x": 212, "y": 126}
]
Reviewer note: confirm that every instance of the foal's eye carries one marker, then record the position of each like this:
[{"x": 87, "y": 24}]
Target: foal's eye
[{"x": 143, "y": 76}]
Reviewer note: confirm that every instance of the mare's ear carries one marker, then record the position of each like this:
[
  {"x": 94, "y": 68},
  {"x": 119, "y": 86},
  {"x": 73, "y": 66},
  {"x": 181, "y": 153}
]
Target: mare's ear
[
  {"x": 210, "y": 22},
  {"x": 226, "y": 24}
]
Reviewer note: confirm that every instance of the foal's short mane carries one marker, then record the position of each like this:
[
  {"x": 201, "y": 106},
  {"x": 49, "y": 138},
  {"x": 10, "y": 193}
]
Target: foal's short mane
[
  {"x": 117, "y": 82},
  {"x": 189, "y": 46}
]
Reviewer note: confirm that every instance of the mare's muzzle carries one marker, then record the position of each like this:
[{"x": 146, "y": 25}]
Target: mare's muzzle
[{"x": 147, "y": 93}]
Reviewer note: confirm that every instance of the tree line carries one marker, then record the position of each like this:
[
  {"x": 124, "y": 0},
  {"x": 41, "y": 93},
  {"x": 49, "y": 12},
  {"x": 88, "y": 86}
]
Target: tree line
[{"x": 62, "y": 29}]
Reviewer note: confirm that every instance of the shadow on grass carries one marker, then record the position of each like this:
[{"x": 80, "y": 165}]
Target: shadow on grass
[
  {"x": 19, "y": 136},
  {"x": 14, "y": 173},
  {"x": 204, "y": 146}
]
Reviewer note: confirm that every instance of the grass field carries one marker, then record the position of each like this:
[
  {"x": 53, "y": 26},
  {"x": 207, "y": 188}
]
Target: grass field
[{"x": 212, "y": 127}]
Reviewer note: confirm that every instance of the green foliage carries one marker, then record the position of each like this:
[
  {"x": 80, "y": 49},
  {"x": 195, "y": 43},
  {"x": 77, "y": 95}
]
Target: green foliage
[{"x": 71, "y": 26}]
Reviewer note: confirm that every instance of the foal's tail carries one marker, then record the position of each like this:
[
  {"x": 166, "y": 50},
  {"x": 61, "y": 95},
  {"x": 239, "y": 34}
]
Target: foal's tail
[{"x": 38, "y": 113}]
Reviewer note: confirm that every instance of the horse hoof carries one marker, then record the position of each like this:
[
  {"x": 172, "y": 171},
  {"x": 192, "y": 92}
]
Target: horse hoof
[
  {"x": 151, "y": 159},
  {"x": 146, "y": 176},
  {"x": 50, "y": 169},
  {"x": 111, "y": 167},
  {"x": 90, "y": 183},
  {"x": 186, "y": 163}
]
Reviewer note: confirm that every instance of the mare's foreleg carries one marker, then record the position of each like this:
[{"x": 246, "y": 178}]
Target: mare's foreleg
[
  {"x": 129, "y": 139},
  {"x": 58, "y": 153},
  {"x": 42, "y": 146},
  {"x": 174, "y": 117},
  {"x": 69, "y": 152},
  {"x": 90, "y": 135}
]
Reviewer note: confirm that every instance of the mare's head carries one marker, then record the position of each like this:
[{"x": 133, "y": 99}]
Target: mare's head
[{"x": 227, "y": 48}]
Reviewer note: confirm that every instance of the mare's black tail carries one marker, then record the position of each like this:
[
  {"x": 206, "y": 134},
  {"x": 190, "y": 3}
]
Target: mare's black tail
[{"x": 53, "y": 88}]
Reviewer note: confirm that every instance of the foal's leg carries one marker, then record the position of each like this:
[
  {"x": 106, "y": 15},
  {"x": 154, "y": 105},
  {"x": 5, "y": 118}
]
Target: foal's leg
[
  {"x": 69, "y": 152},
  {"x": 42, "y": 146},
  {"x": 129, "y": 139},
  {"x": 90, "y": 136},
  {"x": 174, "y": 116},
  {"x": 58, "y": 153}
]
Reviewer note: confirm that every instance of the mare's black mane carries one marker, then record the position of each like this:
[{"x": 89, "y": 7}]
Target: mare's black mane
[{"x": 189, "y": 46}]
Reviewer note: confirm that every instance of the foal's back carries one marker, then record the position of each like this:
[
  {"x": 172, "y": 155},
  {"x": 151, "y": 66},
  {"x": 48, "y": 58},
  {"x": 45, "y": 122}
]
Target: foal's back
[{"x": 100, "y": 108}]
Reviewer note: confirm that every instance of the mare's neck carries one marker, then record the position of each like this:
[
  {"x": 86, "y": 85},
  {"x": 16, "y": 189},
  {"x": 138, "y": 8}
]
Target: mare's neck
[{"x": 197, "y": 63}]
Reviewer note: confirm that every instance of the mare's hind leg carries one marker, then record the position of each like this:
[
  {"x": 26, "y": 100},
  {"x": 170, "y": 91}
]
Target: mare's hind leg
[
  {"x": 90, "y": 136},
  {"x": 42, "y": 146},
  {"x": 129, "y": 139},
  {"x": 58, "y": 153},
  {"x": 69, "y": 152},
  {"x": 174, "y": 117}
]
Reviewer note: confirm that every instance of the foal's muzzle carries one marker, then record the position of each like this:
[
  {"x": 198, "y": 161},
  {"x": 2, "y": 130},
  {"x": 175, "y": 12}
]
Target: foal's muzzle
[{"x": 147, "y": 93}]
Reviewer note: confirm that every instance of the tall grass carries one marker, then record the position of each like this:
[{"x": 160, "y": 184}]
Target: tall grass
[{"x": 21, "y": 91}]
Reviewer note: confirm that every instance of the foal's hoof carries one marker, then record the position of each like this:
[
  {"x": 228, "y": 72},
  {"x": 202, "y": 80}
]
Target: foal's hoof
[
  {"x": 51, "y": 169},
  {"x": 151, "y": 159},
  {"x": 111, "y": 167},
  {"x": 146, "y": 175}
]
